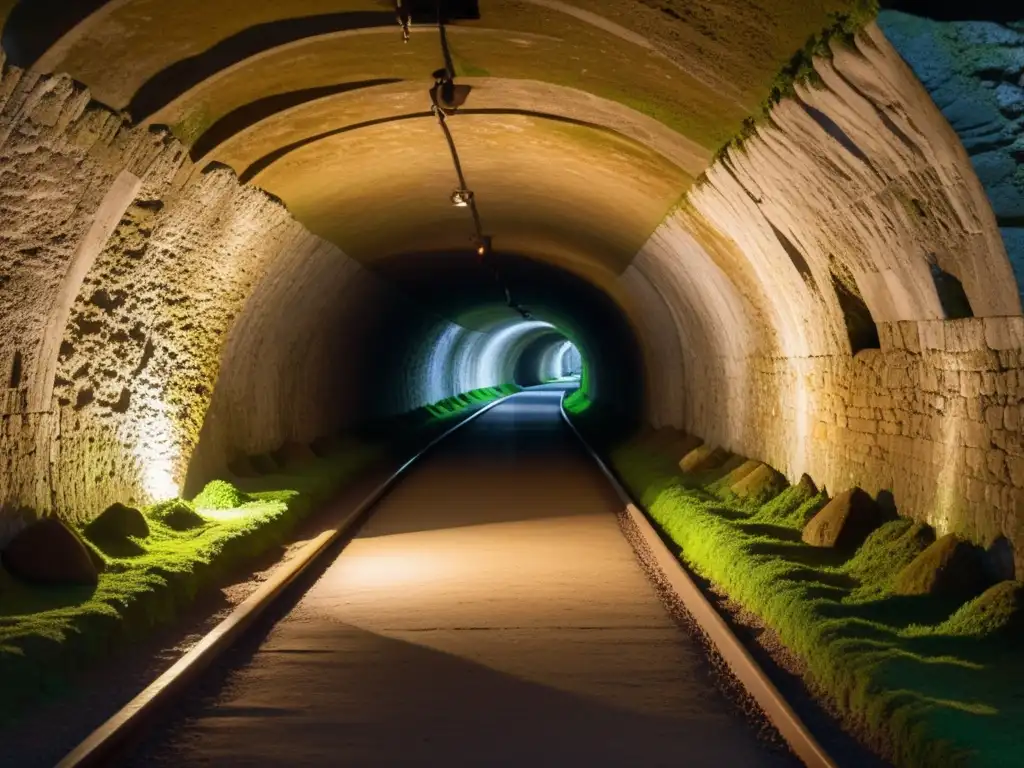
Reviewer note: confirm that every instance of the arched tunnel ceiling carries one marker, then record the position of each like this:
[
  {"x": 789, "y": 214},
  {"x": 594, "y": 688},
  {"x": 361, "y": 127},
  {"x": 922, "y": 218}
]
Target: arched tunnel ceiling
[{"x": 585, "y": 123}]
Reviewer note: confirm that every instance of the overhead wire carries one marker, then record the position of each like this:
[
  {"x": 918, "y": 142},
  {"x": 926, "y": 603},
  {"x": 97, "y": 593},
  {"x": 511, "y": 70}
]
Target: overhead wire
[{"x": 443, "y": 100}]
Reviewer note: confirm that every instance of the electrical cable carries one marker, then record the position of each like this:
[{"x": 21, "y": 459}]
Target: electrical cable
[{"x": 442, "y": 96}]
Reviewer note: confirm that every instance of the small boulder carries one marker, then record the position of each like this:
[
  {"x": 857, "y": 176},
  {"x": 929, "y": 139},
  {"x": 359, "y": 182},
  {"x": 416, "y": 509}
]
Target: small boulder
[
  {"x": 845, "y": 522},
  {"x": 116, "y": 523},
  {"x": 760, "y": 485},
  {"x": 49, "y": 553},
  {"x": 740, "y": 472},
  {"x": 950, "y": 567},
  {"x": 703, "y": 458},
  {"x": 177, "y": 514}
]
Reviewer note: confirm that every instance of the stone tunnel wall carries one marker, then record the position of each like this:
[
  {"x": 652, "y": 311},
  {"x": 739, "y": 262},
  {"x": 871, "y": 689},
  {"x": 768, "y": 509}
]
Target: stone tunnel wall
[
  {"x": 135, "y": 290},
  {"x": 843, "y": 208},
  {"x": 974, "y": 71}
]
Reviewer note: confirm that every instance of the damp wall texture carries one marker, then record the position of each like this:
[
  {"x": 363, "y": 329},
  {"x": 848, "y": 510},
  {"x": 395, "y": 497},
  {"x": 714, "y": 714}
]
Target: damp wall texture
[
  {"x": 146, "y": 303},
  {"x": 791, "y": 311}
]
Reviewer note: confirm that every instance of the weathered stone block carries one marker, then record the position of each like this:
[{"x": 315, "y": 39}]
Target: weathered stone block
[
  {"x": 950, "y": 568},
  {"x": 1003, "y": 333},
  {"x": 703, "y": 458},
  {"x": 760, "y": 485},
  {"x": 845, "y": 522},
  {"x": 933, "y": 334}
]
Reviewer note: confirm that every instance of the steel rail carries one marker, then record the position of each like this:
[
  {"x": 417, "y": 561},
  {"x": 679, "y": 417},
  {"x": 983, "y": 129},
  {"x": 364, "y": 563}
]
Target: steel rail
[
  {"x": 102, "y": 744},
  {"x": 719, "y": 634}
]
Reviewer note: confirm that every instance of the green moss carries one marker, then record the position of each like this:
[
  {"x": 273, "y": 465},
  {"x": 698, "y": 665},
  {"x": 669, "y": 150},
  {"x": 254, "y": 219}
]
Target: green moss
[
  {"x": 47, "y": 636},
  {"x": 193, "y": 125},
  {"x": 886, "y": 552},
  {"x": 220, "y": 494},
  {"x": 842, "y": 29},
  {"x": 176, "y": 514},
  {"x": 455, "y": 405},
  {"x": 936, "y": 681},
  {"x": 998, "y": 612},
  {"x": 115, "y": 524}
]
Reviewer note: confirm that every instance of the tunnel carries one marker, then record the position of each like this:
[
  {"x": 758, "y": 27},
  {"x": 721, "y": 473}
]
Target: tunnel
[{"x": 792, "y": 230}]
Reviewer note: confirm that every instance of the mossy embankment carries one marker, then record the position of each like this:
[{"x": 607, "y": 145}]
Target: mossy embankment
[
  {"x": 926, "y": 680},
  {"x": 156, "y": 561}
]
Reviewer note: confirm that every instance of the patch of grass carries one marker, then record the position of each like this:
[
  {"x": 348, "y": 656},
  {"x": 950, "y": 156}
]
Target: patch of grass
[
  {"x": 935, "y": 681},
  {"x": 453, "y": 406},
  {"x": 176, "y": 514},
  {"x": 220, "y": 494}
]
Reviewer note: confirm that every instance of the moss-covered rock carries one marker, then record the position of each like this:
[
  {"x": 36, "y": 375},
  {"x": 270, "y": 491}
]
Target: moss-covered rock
[
  {"x": 759, "y": 486},
  {"x": 116, "y": 523},
  {"x": 997, "y": 614},
  {"x": 703, "y": 458},
  {"x": 745, "y": 467},
  {"x": 177, "y": 514},
  {"x": 950, "y": 567},
  {"x": 845, "y": 522},
  {"x": 49, "y": 553},
  {"x": 220, "y": 494}
]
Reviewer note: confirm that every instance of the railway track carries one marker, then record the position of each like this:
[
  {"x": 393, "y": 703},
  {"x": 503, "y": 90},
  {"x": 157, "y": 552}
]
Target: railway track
[{"x": 481, "y": 607}]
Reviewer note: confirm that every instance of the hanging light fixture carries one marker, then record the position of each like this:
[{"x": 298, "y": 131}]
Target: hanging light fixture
[
  {"x": 462, "y": 198},
  {"x": 483, "y": 246}
]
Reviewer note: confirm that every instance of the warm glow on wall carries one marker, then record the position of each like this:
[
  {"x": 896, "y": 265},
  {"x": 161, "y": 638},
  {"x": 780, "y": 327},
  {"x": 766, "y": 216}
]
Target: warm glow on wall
[{"x": 157, "y": 452}]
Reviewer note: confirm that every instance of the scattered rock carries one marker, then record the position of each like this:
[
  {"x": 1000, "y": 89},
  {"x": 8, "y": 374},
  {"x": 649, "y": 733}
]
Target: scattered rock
[
  {"x": 845, "y": 522},
  {"x": 736, "y": 475},
  {"x": 951, "y": 567},
  {"x": 762, "y": 484},
  {"x": 807, "y": 485},
  {"x": 49, "y": 553},
  {"x": 117, "y": 522},
  {"x": 293, "y": 454},
  {"x": 703, "y": 458},
  {"x": 177, "y": 514}
]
